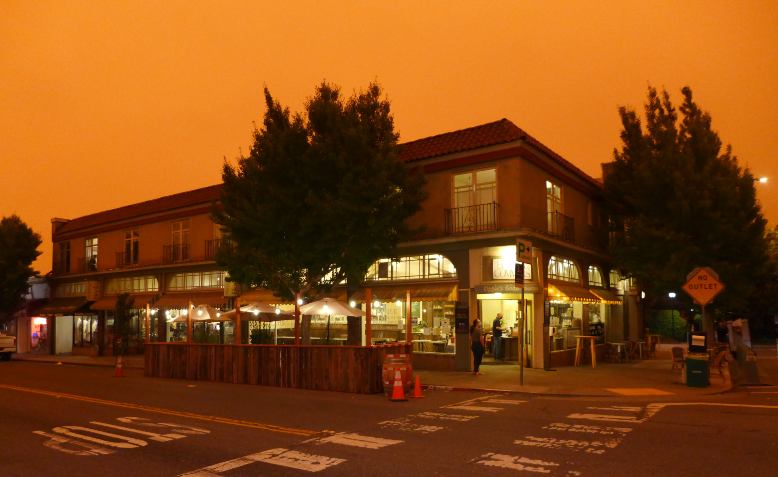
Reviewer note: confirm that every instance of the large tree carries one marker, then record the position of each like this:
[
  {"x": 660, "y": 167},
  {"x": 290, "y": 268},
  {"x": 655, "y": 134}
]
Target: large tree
[
  {"x": 319, "y": 197},
  {"x": 679, "y": 200},
  {"x": 18, "y": 250}
]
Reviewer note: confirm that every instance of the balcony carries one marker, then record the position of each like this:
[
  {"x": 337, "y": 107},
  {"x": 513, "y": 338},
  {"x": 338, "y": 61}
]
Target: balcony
[
  {"x": 212, "y": 247},
  {"x": 561, "y": 226},
  {"x": 87, "y": 265},
  {"x": 61, "y": 267},
  {"x": 175, "y": 253},
  {"x": 473, "y": 218},
  {"x": 124, "y": 260}
]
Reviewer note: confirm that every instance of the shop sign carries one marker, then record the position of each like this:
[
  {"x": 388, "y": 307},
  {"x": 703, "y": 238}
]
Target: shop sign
[
  {"x": 703, "y": 285},
  {"x": 505, "y": 269}
]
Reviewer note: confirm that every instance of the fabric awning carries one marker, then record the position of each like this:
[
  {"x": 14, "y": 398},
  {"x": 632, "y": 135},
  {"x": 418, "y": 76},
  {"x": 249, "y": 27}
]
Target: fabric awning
[
  {"x": 419, "y": 292},
  {"x": 559, "y": 291},
  {"x": 61, "y": 306},
  {"x": 108, "y": 303},
  {"x": 608, "y": 297},
  {"x": 181, "y": 300}
]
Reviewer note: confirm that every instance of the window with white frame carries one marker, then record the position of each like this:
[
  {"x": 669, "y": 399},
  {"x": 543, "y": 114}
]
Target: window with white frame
[
  {"x": 595, "y": 276},
  {"x": 475, "y": 188},
  {"x": 614, "y": 277},
  {"x": 139, "y": 284},
  {"x": 193, "y": 280},
  {"x": 70, "y": 289},
  {"x": 415, "y": 267},
  {"x": 131, "y": 247},
  {"x": 90, "y": 253},
  {"x": 554, "y": 207},
  {"x": 564, "y": 269},
  {"x": 180, "y": 240}
]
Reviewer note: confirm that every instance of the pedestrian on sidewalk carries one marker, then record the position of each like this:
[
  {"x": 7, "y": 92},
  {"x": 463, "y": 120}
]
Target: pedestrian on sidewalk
[
  {"x": 497, "y": 337},
  {"x": 476, "y": 345}
]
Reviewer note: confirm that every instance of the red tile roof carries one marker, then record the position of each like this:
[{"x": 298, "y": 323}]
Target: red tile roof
[
  {"x": 490, "y": 134},
  {"x": 205, "y": 195}
]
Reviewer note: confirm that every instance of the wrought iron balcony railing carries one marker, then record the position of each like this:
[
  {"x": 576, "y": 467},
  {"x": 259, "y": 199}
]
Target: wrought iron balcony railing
[
  {"x": 562, "y": 226},
  {"x": 473, "y": 218},
  {"x": 175, "y": 253}
]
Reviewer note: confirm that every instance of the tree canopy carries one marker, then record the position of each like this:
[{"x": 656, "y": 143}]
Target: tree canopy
[
  {"x": 679, "y": 200},
  {"x": 319, "y": 197},
  {"x": 18, "y": 250}
]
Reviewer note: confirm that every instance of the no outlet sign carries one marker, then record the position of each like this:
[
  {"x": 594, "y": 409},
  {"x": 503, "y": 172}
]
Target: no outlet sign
[{"x": 703, "y": 285}]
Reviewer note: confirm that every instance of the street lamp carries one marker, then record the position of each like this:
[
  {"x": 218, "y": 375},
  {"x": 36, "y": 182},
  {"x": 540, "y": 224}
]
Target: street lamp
[{"x": 762, "y": 180}]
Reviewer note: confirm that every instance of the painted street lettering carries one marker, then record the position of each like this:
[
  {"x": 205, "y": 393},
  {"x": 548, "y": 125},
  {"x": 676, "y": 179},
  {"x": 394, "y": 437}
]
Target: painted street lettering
[
  {"x": 405, "y": 424},
  {"x": 297, "y": 460},
  {"x": 446, "y": 417},
  {"x": 580, "y": 428},
  {"x": 589, "y": 447},
  {"x": 355, "y": 440},
  {"x": 517, "y": 463}
]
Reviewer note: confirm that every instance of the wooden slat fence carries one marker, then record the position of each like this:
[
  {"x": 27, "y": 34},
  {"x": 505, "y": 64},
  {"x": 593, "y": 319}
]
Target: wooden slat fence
[{"x": 353, "y": 369}]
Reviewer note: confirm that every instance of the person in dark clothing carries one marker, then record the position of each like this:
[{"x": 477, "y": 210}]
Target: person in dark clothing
[
  {"x": 476, "y": 345},
  {"x": 497, "y": 337}
]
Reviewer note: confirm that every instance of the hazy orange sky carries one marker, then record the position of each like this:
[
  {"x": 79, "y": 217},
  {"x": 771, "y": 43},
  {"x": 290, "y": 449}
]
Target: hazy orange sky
[{"x": 103, "y": 104}]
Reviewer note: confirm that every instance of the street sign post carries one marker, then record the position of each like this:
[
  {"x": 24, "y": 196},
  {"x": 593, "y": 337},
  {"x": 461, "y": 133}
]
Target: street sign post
[{"x": 523, "y": 255}]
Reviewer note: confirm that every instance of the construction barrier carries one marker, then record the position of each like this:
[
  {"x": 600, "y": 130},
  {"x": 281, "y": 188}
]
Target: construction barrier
[{"x": 397, "y": 363}]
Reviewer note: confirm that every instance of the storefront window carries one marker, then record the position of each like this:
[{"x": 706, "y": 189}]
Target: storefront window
[
  {"x": 70, "y": 289},
  {"x": 416, "y": 267},
  {"x": 84, "y": 330},
  {"x": 189, "y": 281},
  {"x": 148, "y": 283}
]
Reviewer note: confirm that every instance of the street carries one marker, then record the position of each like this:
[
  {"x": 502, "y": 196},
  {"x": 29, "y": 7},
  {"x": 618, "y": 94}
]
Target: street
[{"x": 79, "y": 420}]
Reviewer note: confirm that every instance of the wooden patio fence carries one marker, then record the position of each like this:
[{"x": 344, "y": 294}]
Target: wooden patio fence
[{"x": 353, "y": 369}]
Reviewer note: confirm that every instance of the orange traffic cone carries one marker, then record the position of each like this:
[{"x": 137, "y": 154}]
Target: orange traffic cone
[
  {"x": 417, "y": 388},
  {"x": 119, "y": 370},
  {"x": 398, "y": 393}
]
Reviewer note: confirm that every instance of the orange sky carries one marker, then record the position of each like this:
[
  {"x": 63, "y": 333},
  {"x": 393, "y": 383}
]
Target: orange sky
[{"x": 103, "y": 104}]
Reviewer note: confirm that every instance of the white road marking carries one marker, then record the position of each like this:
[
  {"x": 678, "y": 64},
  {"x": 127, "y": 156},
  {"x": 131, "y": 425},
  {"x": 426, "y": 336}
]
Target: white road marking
[
  {"x": 517, "y": 463},
  {"x": 121, "y": 442},
  {"x": 445, "y": 416},
  {"x": 606, "y": 417},
  {"x": 71, "y": 446},
  {"x": 153, "y": 436},
  {"x": 474, "y": 408},
  {"x": 278, "y": 456},
  {"x": 590, "y": 447},
  {"x": 405, "y": 424},
  {"x": 504, "y": 401},
  {"x": 616, "y": 408},
  {"x": 581, "y": 428},
  {"x": 356, "y": 440}
]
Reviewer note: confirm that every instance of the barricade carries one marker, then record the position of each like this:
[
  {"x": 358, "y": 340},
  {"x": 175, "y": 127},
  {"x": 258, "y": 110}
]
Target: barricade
[{"x": 393, "y": 363}]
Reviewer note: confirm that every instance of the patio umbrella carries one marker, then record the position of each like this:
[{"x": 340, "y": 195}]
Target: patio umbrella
[
  {"x": 329, "y": 307},
  {"x": 261, "y": 312}
]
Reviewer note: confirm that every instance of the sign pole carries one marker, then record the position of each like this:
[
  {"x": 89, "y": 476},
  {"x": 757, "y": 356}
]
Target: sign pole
[
  {"x": 523, "y": 333},
  {"x": 523, "y": 253}
]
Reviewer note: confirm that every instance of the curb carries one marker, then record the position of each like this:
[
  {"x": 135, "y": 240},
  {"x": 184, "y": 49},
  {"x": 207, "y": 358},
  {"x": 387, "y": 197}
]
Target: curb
[
  {"x": 73, "y": 363},
  {"x": 439, "y": 387}
]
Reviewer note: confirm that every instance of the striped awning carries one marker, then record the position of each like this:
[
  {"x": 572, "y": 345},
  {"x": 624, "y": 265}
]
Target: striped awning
[
  {"x": 607, "y": 297},
  {"x": 559, "y": 291},
  {"x": 61, "y": 306},
  {"x": 182, "y": 300},
  {"x": 419, "y": 292}
]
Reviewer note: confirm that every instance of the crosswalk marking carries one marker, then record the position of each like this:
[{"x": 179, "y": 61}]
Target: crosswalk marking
[
  {"x": 504, "y": 401},
  {"x": 405, "y": 424},
  {"x": 517, "y": 463},
  {"x": 446, "y": 417},
  {"x": 581, "y": 428},
  {"x": 616, "y": 408},
  {"x": 356, "y": 440},
  {"x": 589, "y": 447},
  {"x": 606, "y": 417},
  {"x": 278, "y": 456},
  {"x": 474, "y": 408}
]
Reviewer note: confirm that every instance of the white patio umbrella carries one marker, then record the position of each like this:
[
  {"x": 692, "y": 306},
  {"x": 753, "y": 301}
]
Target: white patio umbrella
[
  {"x": 329, "y": 307},
  {"x": 261, "y": 312}
]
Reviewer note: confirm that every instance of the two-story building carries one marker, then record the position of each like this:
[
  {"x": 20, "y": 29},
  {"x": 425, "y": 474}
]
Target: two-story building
[{"x": 488, "y": 186}]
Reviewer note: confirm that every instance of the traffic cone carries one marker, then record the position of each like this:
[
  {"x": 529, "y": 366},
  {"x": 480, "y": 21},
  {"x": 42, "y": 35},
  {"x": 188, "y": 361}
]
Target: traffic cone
[
  {"x": 417, "y": 388},
  {"x": 398, "y": 393},
  {"x": 119, "y": 370}
]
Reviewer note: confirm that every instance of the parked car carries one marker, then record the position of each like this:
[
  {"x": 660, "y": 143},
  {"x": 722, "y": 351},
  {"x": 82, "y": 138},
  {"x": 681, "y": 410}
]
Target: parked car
[{"x": 7, "y": 347}]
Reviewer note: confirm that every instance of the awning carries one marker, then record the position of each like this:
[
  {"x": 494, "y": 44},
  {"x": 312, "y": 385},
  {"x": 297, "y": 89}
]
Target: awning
[
  {"x": 108, "y": 303},
  {"x": 62, "y": 306},
  {"x": 559, "y": 291},
  {"x": 607, "y": 296},
  {"x": 181, "y": 300},
  {"x": 419, "y": 292}
]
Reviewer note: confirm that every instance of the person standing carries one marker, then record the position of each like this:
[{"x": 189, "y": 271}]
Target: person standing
[
  {"x": 476, "y": 345},
  {"x": 497, "y": 337}
]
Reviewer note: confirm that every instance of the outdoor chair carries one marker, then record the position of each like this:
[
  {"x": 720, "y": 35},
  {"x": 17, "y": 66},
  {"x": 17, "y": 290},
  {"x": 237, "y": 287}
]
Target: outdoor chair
[{"x": 678, "y": 360}]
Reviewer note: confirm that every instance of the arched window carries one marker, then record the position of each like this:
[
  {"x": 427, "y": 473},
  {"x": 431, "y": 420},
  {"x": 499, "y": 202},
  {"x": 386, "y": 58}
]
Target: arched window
[
  {"x": 416, "y": 267},
  {"x": 563, "y": 269},
  {"x": 595, "y": 276},
  {"x": 614, "y": 278}
]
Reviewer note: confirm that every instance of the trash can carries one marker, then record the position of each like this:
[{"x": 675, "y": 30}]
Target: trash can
[
  {"x": 697, "y": 373},
  {"x": 392, "y": 364}
]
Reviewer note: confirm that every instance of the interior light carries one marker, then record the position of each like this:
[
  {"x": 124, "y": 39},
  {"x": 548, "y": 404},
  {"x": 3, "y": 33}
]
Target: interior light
[
  {"x": 671, "y": 294},
  {"x": 218, "y": 314},
  {"x": 377, "y": 304},
  {"x": 256, "y": 312},
  {"x": 498, "y": 295},
  {"x": 642, "y": 295},
  {"x": 185, "y": 312},
  {"x": 326, "y": 309},
  {"x": 398, "y": 303},
  {"x": 300, "y": 301},
  {"x": 278, "y": 311},
  {"x": 353, "y": 304},
  {"x": 199, "y": 312}
]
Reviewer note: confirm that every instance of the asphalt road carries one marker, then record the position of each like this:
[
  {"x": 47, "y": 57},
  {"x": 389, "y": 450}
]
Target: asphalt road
[{"x": 80, "y": 421}]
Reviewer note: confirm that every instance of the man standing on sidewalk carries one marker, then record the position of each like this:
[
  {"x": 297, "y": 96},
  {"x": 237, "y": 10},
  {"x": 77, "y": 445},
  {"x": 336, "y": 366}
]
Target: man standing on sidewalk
[{"x": 497, "y": 337}]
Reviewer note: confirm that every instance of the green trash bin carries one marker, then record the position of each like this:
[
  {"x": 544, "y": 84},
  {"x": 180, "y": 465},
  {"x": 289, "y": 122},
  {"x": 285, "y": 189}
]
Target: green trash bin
[{"x": 697, "y": 374}]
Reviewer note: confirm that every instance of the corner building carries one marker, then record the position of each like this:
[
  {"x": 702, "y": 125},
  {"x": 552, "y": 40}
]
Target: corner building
[{"x": 488, "y": 187}]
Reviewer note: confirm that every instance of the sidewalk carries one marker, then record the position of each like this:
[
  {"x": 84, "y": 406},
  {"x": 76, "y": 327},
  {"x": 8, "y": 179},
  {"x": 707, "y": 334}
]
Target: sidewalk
[{"x": 651, "y": 378}]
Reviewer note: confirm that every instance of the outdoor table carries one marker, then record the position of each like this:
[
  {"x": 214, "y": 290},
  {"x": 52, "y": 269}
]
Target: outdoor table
[
  {"x": 652, "y": 339},
  {"x": 621, "y": 350},
  {"x": 640, "y": 345},
  {"x": 580, "y": 344},
  {"x": 339, "y": 341}
]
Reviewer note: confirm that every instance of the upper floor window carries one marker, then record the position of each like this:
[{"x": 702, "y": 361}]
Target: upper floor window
[
  {"x": 90, "y": 254},
  {"x": 188, "y": 281},
  {"x": 595, "y": 276},
  {"x": 412, "y": 267},
  {"x": 147, "y": 283},
  {"x": 563, "y": 269},
  {"x": 179, "y": 240},
  {"x": 553, "y": 207},
  {"x": 475, "y": 188},
  {"x": 70, "y": 289},
  {"x": 614, "y": 278},
  {"x": 131, "y": 247},
  {"x": 63, "y": 257}
]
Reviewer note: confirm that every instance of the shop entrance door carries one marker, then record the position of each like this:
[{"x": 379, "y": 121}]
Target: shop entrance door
[{"x": 510, "y": 308}]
